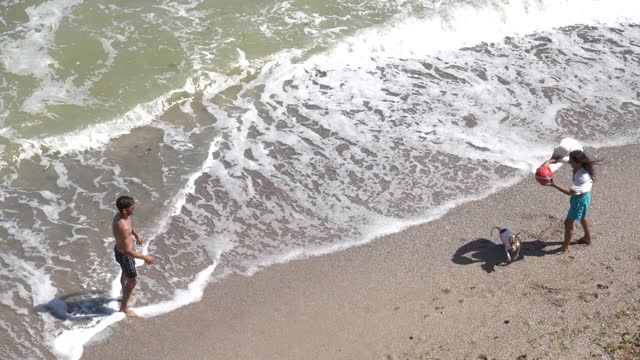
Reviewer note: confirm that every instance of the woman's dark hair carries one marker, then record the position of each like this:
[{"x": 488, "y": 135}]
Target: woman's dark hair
[
  {"x": 581, "y": 158},
  {"x": 124, "y": 202}
]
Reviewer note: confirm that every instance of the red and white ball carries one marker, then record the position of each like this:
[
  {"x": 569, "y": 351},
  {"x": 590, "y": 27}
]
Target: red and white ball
[{"x": 544, "y": 175}]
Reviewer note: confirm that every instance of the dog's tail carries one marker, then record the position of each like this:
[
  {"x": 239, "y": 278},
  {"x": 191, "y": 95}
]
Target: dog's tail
[{"x": 496, "y": 228}]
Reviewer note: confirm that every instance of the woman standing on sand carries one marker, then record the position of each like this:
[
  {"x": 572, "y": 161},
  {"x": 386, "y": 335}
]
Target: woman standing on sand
[{"x": 580, "y": 192}]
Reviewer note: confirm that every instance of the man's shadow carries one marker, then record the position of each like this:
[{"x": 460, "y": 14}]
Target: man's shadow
[
  {"x": 492, "y": 254},
  {"x": 78, "y": 306}
]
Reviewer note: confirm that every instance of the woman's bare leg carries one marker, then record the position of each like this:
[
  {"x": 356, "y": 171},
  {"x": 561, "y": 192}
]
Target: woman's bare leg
[
  {"x": 568, "y": 233},
  {"x": 587, "y": 235}
]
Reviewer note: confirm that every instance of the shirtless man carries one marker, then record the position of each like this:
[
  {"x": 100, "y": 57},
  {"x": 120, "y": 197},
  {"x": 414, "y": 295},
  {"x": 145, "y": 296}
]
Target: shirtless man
[{"x": 124, "y": 252}]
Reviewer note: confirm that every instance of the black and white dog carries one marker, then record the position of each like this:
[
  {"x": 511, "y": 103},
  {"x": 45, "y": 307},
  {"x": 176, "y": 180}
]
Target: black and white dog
[{"x": 511, "y": 242}]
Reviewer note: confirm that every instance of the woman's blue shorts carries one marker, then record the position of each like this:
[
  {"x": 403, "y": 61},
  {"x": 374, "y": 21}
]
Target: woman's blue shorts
[{"x": 579, "y": 206}]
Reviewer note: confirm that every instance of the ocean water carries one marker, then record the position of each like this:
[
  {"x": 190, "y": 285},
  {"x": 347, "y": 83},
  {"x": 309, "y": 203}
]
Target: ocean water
[{"x": 257, "y": 132}]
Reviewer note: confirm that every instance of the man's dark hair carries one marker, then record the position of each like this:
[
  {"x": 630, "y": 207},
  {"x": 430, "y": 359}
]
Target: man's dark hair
[{"x": 124, "y": 202}]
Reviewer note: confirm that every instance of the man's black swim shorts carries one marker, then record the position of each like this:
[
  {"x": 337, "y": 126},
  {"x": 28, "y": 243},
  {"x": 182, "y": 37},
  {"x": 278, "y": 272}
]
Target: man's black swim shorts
[{"x": 127, "y": 263}]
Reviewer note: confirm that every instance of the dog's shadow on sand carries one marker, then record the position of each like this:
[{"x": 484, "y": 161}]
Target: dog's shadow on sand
[{"x": 492, "y": 254}]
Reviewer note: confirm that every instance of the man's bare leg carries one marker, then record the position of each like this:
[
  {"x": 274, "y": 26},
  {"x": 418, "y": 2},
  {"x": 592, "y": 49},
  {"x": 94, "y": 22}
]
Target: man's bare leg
[
  {"x": 123, "y": 281},
  {"x": 587, "y": 235},
  {"x": 568, "y": 233},
  {"x": 127, "y": 290}
]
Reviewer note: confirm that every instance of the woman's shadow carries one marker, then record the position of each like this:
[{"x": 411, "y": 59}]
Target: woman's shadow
[
  {"x": 492, "y": 254},
  {"x": 78, "y": 306}
]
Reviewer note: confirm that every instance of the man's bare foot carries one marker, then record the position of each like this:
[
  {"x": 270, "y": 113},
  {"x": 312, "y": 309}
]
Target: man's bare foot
[
  {"x": 128, "y": 312},
  {"x": 563, "y": 250},
  {"x": 584, "y": 240}
]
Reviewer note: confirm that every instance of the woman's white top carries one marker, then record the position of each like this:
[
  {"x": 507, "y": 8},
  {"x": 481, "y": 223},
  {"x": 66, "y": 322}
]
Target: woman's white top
[{"x": 582, "y": 182}]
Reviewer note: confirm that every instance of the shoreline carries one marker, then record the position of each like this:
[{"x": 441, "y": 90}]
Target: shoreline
[{"x": 434, "y": 290}]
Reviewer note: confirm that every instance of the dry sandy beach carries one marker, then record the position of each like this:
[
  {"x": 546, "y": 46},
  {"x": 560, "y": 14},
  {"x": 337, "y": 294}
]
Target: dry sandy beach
[{"x": 434, "y": 291}]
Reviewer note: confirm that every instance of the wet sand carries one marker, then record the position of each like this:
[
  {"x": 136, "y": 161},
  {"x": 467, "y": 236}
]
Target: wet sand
[{"x": 434, "y": 291}]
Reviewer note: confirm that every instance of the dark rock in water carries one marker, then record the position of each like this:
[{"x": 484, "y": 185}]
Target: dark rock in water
[
  {"x": 448, "y": 76},
  {"x": 481, "y": 73},
  {"x": 543, "y": 39},
  {"x": 470, "y": 120},
  {"x": 503, "y": 81},
  {"x": 481, "y": 148},
  {"x": 426, "y": 65}
]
